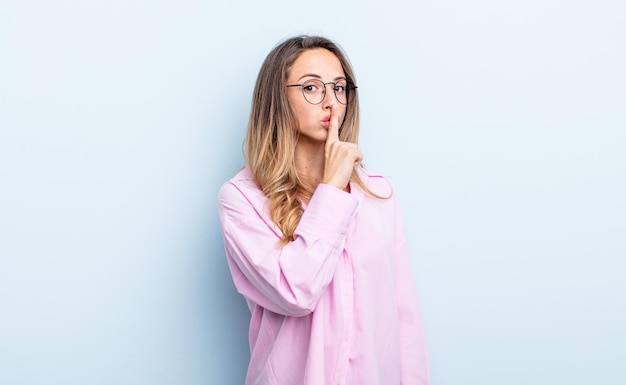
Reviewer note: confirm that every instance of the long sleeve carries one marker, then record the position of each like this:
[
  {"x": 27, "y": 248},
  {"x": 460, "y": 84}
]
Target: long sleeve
[
  {"x": 285, "y": 279},
  {"x": 414, "y": 365},
  {"x": 337, "y": 305}
]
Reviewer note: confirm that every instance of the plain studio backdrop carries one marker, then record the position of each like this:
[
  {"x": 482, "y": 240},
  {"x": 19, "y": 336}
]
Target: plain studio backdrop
[{"x": 501, "y": 124}]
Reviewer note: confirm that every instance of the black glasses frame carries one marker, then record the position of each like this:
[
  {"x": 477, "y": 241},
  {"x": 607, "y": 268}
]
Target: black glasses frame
[{"x": 349, "y": 88}]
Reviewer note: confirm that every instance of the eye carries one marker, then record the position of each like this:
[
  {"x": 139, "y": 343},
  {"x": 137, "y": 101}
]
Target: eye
[
  {"x": 340, "y": 88},
  {"x": 309, "y": 87}
]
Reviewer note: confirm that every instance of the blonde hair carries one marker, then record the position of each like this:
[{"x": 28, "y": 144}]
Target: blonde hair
[{"x": 271, "y": 138}]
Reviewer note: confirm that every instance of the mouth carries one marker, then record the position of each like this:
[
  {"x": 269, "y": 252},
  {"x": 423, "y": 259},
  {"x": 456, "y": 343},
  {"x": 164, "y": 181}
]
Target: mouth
[{"x": 326, "y": 121}]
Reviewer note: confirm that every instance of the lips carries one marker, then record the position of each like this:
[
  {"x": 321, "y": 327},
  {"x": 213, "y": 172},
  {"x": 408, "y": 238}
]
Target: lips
[{"x": 326, "y": 121}]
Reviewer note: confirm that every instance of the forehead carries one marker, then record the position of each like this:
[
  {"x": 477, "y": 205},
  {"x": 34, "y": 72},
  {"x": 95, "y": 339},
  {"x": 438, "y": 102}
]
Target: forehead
[{"x": 318, "y": 61}]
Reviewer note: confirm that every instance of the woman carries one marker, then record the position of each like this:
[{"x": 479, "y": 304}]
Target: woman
[{"x": 314, "y": 242}]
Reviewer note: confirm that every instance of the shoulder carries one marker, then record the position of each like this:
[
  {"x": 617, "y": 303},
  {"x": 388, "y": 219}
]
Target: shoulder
[
  {"x": 243, "y": 181},
  {"x": 241, "y": 190},
  {"x": 376, "y": 182}
]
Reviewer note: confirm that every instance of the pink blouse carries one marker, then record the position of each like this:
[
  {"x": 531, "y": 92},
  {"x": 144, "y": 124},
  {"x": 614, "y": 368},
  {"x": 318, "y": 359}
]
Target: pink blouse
[{"x": 338, "y": 304}]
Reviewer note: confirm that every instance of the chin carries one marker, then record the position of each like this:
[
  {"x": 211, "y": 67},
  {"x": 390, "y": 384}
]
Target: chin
[{"x": 318, "y": 135}]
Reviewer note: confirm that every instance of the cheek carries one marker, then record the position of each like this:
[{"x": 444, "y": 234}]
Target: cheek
[
  {"x": 298, "y": 107},
  {"x": 342, "y": 113},
  {"x": 303, "y": 112}
]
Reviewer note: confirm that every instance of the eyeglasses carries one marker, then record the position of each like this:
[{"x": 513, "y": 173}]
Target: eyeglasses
[{"x": 314, "y": 90}]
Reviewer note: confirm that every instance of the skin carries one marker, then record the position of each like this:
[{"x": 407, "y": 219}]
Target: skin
[{"x": 320, "y": 156}]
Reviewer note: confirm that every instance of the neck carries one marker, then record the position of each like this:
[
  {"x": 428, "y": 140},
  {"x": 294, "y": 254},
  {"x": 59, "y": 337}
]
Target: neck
[{"x": 310, "y": 161}]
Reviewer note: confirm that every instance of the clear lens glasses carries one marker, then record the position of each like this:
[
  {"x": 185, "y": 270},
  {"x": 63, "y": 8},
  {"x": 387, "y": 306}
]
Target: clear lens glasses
[{"x": 314, "y": 90}]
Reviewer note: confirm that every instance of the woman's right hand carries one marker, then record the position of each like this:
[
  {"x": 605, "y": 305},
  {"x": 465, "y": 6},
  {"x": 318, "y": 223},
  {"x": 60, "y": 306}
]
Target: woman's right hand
[{"x": 341, "y": 157}]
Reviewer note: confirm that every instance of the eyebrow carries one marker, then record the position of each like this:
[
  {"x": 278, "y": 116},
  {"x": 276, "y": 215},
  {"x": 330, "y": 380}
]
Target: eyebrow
[{"x": 319, "y": 77}]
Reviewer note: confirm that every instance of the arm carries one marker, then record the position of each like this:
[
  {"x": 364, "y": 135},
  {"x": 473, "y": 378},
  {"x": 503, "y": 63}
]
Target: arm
[
  {"x": 285, "y": 279},
  {"x": 415, "y": 363}
]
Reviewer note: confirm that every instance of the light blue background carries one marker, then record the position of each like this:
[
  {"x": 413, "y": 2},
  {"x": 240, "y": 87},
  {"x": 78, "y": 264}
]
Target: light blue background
[{"x": 501, "y": 125}]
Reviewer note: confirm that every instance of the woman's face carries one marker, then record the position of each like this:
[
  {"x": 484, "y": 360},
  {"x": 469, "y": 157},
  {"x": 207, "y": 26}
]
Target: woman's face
[{"x": 313, "y": 119}]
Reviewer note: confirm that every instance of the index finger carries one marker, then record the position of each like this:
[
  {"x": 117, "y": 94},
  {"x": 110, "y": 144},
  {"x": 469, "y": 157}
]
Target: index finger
[{"x": 333, "y": 129}]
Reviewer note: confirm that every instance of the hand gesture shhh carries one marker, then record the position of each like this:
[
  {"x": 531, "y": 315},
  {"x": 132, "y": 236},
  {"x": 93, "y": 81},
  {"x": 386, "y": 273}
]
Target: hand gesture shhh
[{"x": 341, "y": 157}]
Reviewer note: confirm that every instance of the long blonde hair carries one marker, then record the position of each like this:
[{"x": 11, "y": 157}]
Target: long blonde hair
[{"x": 272, "y": 136}]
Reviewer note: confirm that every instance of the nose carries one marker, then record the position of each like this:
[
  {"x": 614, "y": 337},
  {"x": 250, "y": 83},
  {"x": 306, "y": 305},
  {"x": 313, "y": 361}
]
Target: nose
[{"x": 329, "y": 101}]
